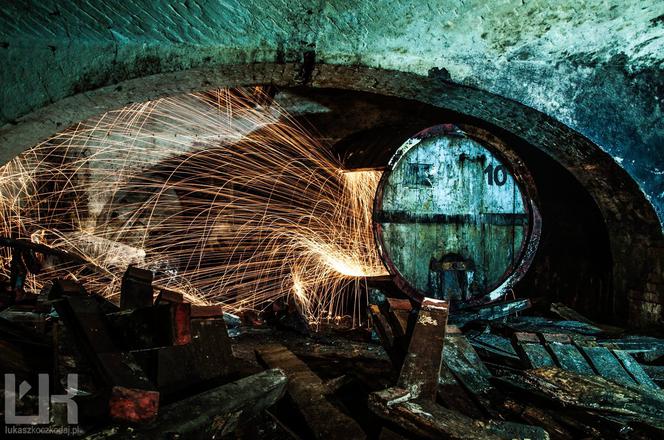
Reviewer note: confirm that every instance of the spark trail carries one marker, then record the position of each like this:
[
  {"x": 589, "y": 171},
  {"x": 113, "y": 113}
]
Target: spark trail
[{"x": 225, "y": 197}]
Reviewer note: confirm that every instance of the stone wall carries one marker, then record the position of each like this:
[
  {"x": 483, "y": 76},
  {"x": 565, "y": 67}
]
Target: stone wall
[{"x": 580, "y": 80}]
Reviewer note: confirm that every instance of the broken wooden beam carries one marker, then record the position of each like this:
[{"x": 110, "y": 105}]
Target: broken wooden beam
[
  {"x": 386, "y": 335},
  {"x": 464, "y": 362},
  {"x": 489, "y": 312},
  {"x": 538, "y": 324},
  {"x": 454, "y": 396},
  {"x": 426, "y": 419},
  {"x": 421, "y": 367},
  {"x": 645, "y": 348},
  {"x": 591, "y": 396},
  {"x": 494, "y": 348},
  {"x": 309, "y": 392}
]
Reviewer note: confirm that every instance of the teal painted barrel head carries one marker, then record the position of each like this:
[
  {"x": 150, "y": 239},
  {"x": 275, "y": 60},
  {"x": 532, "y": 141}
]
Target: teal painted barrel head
[{"x": 451, "y": 220}]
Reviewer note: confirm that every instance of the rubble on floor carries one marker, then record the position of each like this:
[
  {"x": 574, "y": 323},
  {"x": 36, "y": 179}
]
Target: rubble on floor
[{"x": 157, "y": 367}]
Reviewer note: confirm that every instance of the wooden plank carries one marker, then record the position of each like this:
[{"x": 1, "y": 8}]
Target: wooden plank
[
  {"x": 495, "y": 349},
  {"x": 466, "y": 365},
  {"x": 538, "y": 324},
  {"x": 490, "y": 312},
  {"x": 532, "y": 353},
  {"x": 421, "y": 366},
  {"x": 425, "y": 419},
  {"x": 309, "y": 393},
  {"x": 637, "y": 372},
  {"x": 655, "y": 372},
  {"x": 26, "y": 317},
  {"x": 386, "y": 335},
  {"x": 644, "y": 348},
  {"x": 568, "y": 357},
  {"x": 607, "y": 365},
  {"x": 570, "y": 314},
  {"x": 215, "y": 413},
  {"x": 560, "y": 338},
  {"x": 593, "y": 396},
  {"x": 535, "y": 356}
]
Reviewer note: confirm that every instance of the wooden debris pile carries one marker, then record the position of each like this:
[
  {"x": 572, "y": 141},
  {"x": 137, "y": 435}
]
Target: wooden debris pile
[
  {"x": 154, "y": 366},
  {"x": 158, "y": 367}
]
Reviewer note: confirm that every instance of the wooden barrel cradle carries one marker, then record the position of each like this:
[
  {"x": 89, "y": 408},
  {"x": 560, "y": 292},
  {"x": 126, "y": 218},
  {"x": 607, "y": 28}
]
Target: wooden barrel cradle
[{"x": 455, "y": 217}]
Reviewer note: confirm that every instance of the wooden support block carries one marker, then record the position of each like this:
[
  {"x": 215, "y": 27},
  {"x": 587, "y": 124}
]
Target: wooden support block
[
  {"x": 567, "y": 357},
  {"x": 157, "y": 326},
  {"x": 215, "y": 311},
  {"x": 309, "y": 393},
  {"x": 136, "y": 290},
  {"x": 607, "y": 365},
  {"x": 132, "y": 397},
  {"x": 400, "y": 304},
  {"x": 421, "y": 367},
  {"x": 168, "y": 296},
  {"x": 495, "y": 349},
  {"x": 176, "y": 369},
  {"x": 215, "y": 413},
  {"x": 635, "y": 370},
  {"x": 62, "y": 288},
  {"x": 526, "y": 338},
  {"x": 399, "y": 321}
]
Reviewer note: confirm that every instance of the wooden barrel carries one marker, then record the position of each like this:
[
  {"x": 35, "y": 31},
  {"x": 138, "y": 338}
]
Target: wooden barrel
[{"x": 455, "y": 216}]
